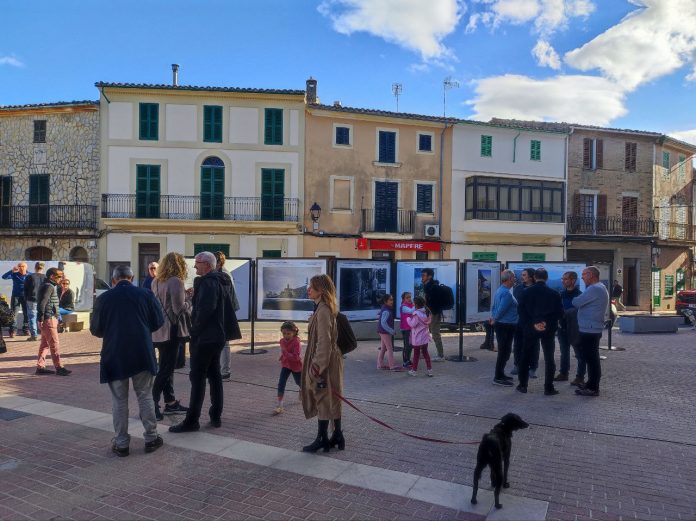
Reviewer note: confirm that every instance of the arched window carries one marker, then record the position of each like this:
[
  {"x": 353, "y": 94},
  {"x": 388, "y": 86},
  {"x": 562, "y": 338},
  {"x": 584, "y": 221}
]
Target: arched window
[
  {"x": 38, "y": 253},
  {"x": 213, "y": 188},
  {"x": 79, "y": 254}
]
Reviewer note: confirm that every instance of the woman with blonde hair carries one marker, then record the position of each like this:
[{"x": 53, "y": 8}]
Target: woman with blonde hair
[
  {"x": 168, "y": 287},
  {"x": 322, "y": 371}
]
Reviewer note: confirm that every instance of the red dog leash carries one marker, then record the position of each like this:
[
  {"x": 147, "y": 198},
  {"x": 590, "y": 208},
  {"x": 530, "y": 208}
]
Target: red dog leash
[{"x": 422, "y": 438}]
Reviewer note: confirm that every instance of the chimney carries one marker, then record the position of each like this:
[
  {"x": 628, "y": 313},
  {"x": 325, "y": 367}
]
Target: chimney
[
  {"x": 175, "y": 74},
  {"x": 311, "y": 94},
  {"x": 337, "y": 103}
]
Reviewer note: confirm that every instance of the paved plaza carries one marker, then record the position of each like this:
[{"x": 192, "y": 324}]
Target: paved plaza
[{"x": 628, "y": 454}]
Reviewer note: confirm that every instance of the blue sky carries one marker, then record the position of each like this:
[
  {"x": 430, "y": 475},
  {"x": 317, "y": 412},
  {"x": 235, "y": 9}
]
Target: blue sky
[{"x": 620, "y": 63}]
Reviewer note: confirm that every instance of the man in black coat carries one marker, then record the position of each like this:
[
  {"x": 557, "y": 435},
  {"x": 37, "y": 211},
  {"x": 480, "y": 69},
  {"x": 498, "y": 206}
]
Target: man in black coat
[
  {"x": 213, "y": 322},
  {"x": 125, "y": 317},
  {"x": 540, "y": 308},
  {"x": 433, "y": 303}
]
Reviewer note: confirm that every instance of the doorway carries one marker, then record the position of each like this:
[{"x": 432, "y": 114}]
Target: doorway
[
  {"x": 631, "y": 281},
  {"x": 147, "y": 252}
]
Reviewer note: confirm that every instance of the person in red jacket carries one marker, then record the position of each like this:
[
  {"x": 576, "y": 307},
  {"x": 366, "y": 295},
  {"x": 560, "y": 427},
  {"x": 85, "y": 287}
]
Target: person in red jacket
[{"x": 290, "y": 360}]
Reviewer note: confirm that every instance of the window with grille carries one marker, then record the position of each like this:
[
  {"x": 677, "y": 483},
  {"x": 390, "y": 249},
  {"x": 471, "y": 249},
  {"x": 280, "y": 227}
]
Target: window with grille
[
  {"x": 486, "y": 146},
  {"x": 39, "y": 131},
  {"x": 592, "y": 154},
  {"x": 630, "y": 159},
  {"x": 535, "y": 150}
]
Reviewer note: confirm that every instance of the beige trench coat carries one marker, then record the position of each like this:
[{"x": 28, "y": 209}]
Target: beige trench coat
[
  {"x": 172, "y": 296},
  {"x": 323, "y": 353}
]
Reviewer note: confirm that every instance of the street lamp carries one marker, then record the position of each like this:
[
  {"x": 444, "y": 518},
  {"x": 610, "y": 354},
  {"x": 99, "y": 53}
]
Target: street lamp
[{"x": 315, "y": 213}]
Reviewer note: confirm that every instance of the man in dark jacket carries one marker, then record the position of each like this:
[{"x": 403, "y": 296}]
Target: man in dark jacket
[
  {"x": 18, "y": 275},
  {"x": 125, "y": 317},
  {"x": 526, "y": 281},
  {"x": 570, "y": 291},
  {"x": 540, "y": 309},
  {"x": 209, "y": 331},
  {"x": 47, "y": 315},
  {"x": 432, "y": 301},
  {"x": 31, "y": 292}
]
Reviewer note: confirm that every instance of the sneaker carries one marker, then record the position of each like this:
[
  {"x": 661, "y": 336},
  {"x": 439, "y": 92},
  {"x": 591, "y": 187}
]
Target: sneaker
[
  {"x": 185, "y": 427},
  {"x": 278, "y": 410},
  {"x": 226, "y": 376},
  {"x": 514, "y": 370},
  {"x": 502, "y": 381},
  {"x": 578, "y": 381},
  {"x": 521, "y": 389},
  {"x": 506, "y": 377},
  {"x": 412, "y": 373},
  {"x": 408, "y": 364},
  {"x": 158, "y": 414},
  {"x": 175, "y": 408},
  {"x": 561, "y": 377},
  {"x": 429, "y": 372},
  {"x": 215, "y": 423},
  {"x": 586, "y": 392},
  {"x": 62, "y": 371},
  {"x": 532, "y": 373},
  {"x": 152, "y": 446},
  {"x": 550, "y": 392},
  {"x": 121, "y": 452},
  {"x": 43, "y": 370}
]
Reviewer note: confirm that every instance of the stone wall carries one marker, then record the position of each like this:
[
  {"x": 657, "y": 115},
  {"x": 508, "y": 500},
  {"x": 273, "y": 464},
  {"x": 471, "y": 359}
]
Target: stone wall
[{"x": 16, "y": 248}]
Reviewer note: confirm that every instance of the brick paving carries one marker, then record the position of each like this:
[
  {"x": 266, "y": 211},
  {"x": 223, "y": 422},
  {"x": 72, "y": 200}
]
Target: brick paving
[{"x": 626, "y": 455}]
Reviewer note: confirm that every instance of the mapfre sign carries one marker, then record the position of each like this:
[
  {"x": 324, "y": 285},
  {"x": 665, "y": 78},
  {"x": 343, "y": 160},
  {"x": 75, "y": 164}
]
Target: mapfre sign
[{"x": 376, "y": 244}]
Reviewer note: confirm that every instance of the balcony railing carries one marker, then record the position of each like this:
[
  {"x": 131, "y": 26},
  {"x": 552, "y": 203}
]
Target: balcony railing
[
  {"x": 579, "y": 225},
  {"x": 191, "y": 207},
  {"x": 55, "y": 217},
  {"x": 388, "y": 221},
  {"x": 676, "y": 231}
]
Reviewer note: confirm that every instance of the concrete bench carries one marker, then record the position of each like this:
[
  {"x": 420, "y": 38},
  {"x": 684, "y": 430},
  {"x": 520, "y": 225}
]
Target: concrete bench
[
  {"x": 76, "y": 321},
  {"x": 650, "y": 323}
]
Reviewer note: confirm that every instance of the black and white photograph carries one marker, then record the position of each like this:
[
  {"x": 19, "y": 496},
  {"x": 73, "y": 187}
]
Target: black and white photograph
[
  {"x": 481, "y": 282},
  {"x": 361, "y": 286},
  {"x": 282, "y": 288},
  {"x": 240, "y": 270},
  {"x": 555, "y": 270},
  {"x": 408, "y": 278}
]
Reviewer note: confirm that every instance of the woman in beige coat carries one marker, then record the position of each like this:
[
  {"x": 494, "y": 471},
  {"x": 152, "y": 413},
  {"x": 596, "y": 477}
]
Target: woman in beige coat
[
  {"x": 168, "y": 287},
  {"x": 322, "y": 371}
]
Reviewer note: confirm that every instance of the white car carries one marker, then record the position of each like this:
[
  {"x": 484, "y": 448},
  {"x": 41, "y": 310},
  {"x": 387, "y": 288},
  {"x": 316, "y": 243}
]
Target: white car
[{"x": 100, "y": 287}]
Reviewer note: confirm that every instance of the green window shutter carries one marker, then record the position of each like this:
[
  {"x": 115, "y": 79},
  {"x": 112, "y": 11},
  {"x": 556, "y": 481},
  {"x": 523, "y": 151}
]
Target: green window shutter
[
  {"x": 665, "y": 161},
  {"x": 273, "y": 127},
  {"x": 272, "y": 194},
  {"x": 147, "y": 191},
  {"x": 486, "y": 146},
  {"x": 682, "y": 166},
  {"x": 38, "y": 198},
  {"x": 211, "y": 247},
  {"x": 271, "y": 254},
  {"x": 149, "y": 121},
  {"x": 535, "y": 152},
  {"x": 212, "y": 124}
]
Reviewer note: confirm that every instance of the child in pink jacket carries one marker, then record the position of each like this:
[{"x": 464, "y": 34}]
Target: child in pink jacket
[
  {"x": 290, "y": 360},
  {"x": 420, "y": 335}
]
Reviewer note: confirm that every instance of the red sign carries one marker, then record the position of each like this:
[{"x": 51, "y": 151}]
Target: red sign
[
  {"x": 362, "y": 244},
  {"x": 376, "y": 244}
]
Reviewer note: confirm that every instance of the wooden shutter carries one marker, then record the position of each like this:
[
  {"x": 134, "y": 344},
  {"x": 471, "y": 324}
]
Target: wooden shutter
[
  {"x": 147, "y": 191},
  {"x": 424, "y": 198},
  {"x": 387, "y": 147},
  {"x": 599, "y": 153},
  {"x": 273, "y": 128},
  {"x": 272, "y": 194},
  {"x": 577, "y": 204},
  {"x": 587, "y": 154},
  {"x": 601, "y": 206},
  {"x": 629, "y": 208},
  {"x": 630, "y": 159}
]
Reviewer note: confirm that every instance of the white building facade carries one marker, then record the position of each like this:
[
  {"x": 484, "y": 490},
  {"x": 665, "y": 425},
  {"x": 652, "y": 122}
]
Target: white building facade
[
  {"x": 189, "y": 169},
  {"x": 508, "y": 193}
]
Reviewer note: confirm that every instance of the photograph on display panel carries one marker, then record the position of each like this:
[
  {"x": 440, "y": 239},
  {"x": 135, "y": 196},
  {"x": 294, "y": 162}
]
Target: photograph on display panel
[
  {"x": 282, "y": 288},
  {"x": 555, "y": 270},
  {"x": 408, "y": 278},
  {"x": 481, "y": 282},
  {"x": 240, "y": 270},
  {"x": 360, "y": 286}
]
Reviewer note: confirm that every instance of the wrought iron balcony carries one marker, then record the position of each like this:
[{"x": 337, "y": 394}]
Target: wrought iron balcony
[
  {"x": 579, "y": 225},
  {"x": 676, "y": 231},
  {"x": 53, "y": 217},
  {"x": 388, "y": 221},
  {"x": 192, "y": 207}
]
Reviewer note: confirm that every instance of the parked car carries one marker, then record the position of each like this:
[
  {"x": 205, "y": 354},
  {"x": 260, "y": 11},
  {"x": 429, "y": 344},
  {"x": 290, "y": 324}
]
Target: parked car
[
  {"x": 686, "y": 299},
  {"x": 100, "y": 287}
]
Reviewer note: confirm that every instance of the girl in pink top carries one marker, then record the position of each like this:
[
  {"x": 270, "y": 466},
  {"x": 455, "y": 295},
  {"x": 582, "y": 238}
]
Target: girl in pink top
[
  {"x": 420, "y": 335},
  {"x": 290, "y": 360},
  {"x": 406, "y": 309}
]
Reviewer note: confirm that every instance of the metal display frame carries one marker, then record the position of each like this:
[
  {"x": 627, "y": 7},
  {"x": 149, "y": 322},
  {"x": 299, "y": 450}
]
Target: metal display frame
[{"x": 391, "y": 282}]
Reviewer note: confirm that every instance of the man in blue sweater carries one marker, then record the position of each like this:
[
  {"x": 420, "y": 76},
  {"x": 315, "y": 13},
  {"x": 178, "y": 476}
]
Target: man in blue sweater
[
  {"x": 18, "y": 275},
  {"x": 592, "y": 314},
  {"x": 504, "y": 320}
]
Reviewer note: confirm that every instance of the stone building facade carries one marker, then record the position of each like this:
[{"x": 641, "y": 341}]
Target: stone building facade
[{"x": 49, "y": 181}]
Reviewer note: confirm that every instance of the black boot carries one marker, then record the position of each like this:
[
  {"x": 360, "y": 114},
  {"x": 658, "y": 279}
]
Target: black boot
[
  {"x": 322, "y": 439},
  {"x": 337, "y": 439}
]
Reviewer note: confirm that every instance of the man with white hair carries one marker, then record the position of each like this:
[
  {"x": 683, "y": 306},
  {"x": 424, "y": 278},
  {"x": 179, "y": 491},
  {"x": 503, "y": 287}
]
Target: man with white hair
[
  {"x": 212, "y": 323},
  {"x": 504, "y": 320}
]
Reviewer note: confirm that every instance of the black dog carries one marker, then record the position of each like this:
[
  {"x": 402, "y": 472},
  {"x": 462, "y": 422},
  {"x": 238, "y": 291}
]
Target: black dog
[{"x": 494, "y": 451}]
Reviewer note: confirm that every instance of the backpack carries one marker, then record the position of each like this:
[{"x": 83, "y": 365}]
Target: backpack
[
  {"x": 7, "y": 316},
  {"x": 345, "y": 338},
  {"x": 444, "y": 296}
]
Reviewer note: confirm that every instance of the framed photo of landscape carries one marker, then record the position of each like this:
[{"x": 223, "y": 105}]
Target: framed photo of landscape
[
  {"x": 481, "y": 281},
  {"x": 281, "y": 288},
  {"x": 360, "y": 286}
]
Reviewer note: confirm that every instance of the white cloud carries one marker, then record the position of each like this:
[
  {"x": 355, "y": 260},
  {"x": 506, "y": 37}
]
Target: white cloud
[
  {"x": 417, "y": 25},
  {"x": 11, "y": 60},
  {"x": 578, "y": 99},
  {"x": 649, "y": 43},
  {"x": 684, "y": 135},
  {"x": 546, "y": 55}
]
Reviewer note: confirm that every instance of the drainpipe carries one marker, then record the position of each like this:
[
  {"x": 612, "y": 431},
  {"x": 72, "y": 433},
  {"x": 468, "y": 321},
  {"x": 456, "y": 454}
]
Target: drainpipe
[
  {"x": 514, "y": 146},
  {"x": 442, "y": 167}
]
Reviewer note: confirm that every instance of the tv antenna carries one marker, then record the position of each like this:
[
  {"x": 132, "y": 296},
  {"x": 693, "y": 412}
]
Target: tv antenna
[
  {"x": 396, "y": 90},
  {"x": 447, "y": 84}
]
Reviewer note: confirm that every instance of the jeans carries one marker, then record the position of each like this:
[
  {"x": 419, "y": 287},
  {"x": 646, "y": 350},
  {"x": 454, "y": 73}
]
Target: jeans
[
  {"x": 589, "y": 347},
  {"x": 564, "y": 348},
  {"x": 531, "y": 345},
  {"x": 164, "y": 381},
  {"x": 49, "y": 341},
  {"x": 31, "y": 311},
  {"x": 518, "y": 348},
  {"x": 225, "y": 359},
  {"x": 406, "y": 353},
  {"x": 142, "y": 385},
  {"x": 283, "y": 380},
  {"x": 205, "y": 363},
  {"x": 505, "y": 333},
  {"x": 435, "y": 320},
  {"x": 16, "y": 302}
]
